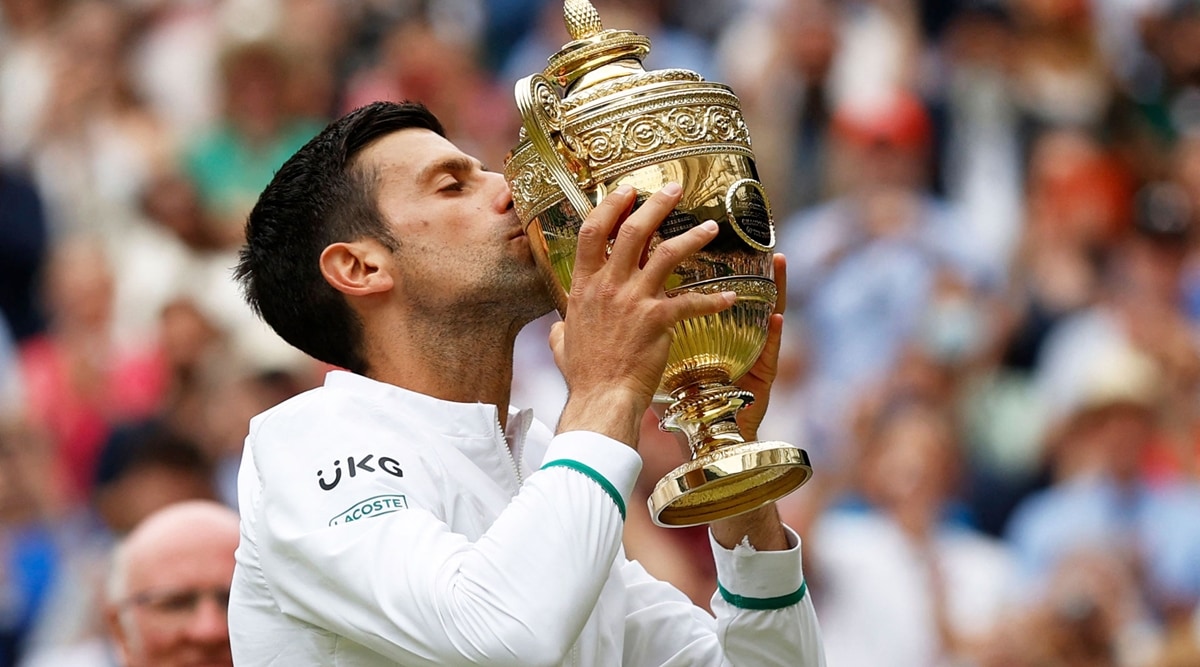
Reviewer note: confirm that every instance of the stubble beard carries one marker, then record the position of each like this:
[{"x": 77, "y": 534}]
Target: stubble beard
[
  {"x": 507, "y": 292},
  {"x": 520, "y": 291}
]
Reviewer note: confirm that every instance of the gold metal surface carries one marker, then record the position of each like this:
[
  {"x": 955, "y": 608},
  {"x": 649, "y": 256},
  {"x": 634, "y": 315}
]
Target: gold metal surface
[
  {"x": 581, "y": 18},
  {"x": 736, "y": 479},
  {"x": 593, "y": 120}
]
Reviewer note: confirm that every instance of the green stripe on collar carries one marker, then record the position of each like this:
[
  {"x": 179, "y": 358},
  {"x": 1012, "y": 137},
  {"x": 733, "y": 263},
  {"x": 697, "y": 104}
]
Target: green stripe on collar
[
  {"x": 595, "y": 476},
  {"x": 758, "y": 604}
]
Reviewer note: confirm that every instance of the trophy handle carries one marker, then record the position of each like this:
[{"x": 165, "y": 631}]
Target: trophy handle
[{"x": 540, "y": 115}]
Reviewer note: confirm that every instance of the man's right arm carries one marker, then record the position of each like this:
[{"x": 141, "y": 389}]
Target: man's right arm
[
  {"x": 612, "y": 345},
  {"x": 404, "y": 584}
]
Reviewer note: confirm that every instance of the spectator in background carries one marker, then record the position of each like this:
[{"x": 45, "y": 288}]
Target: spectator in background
[
  {"x": 197, "y": 354},
  {"x": 1140, "y": 306},
  {"x": 879, "y": 50},
  {"x": 315, "y": 34},
  {"x": 30, "y": 557},
  {"x": 143, "y": 468},
  {"x": 173, "y": 62},
  {"x": 78, "y": 380},
  {"x": 1089, "y": 613},
  {"x": 507, "y": 22},
  {"x": 419, "y": 62},
  {"x": 1100, "y": 501},
  {"x": 1077, "y": 207},
  {"x": 27, "y": 55},
  {"x": 171, "y": 252},
  {"x": 230, "y": 402},
  {"x": 1186, "y": 174},
  {"x": 146, "y": 466},
  {"x": 169, "y": 587},
  {"x": 98, "y": 144},
  {"x": 1168, "y": 97},
  {"x": 173, "y": 287},
  {"x": 24, "y": 244},
  {"x": 1060, "y": 71},
  {"x": 981, "y": 138},
  {"x": 670, "y": 47},
  {"x": 1076, "y": 210},
  {"x": 256, "y": 133},
  {"x": 903, "y": 581},
  {"x": 864, "y": 265},
  {"x": 785, "y": 90}
]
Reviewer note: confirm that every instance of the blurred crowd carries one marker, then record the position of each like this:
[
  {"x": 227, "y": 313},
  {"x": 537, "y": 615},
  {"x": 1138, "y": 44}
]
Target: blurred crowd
[{"x": 990, "y": 210}]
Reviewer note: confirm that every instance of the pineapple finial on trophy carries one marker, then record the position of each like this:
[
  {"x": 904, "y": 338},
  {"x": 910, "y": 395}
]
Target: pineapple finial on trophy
[{"x": 582, "y": 19}]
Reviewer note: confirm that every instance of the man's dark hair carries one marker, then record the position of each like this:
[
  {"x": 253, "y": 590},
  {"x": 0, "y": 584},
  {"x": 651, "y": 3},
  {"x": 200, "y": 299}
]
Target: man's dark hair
[{"x": 318, "y": 197}]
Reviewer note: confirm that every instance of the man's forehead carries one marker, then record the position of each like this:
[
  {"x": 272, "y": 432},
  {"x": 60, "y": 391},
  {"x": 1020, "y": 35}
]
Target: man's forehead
[
  {"x": 168, "y": 551},
  {"x": 408, "y": 153},
  {"x": 181, "y": 564}
]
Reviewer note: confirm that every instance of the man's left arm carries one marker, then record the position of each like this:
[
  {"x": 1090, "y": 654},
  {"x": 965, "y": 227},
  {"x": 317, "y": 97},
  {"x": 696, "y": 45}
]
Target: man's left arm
[
  {"x": 761, "y": 529},
  {"x": 764, "y": 613}
]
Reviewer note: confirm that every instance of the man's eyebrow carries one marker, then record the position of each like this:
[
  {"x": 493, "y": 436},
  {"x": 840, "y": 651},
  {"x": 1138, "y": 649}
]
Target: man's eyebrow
[{"x": 451, "y": 165}]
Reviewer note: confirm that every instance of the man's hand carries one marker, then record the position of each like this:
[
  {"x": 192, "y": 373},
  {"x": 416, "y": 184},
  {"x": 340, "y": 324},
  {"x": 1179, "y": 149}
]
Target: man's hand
[
  {"x": 759, "y": 379},
  {"x": 762, "y": 526},
  {"x": 612, "y": 347}
]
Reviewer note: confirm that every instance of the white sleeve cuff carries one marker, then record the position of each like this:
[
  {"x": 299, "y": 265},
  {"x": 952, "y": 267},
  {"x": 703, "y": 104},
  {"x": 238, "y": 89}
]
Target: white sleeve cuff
[{"x": 753, "y": 579}]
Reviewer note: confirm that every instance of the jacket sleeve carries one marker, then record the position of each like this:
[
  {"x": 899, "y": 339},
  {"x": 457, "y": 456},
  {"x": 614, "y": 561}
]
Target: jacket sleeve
[
  {"x": 412, "y": 590},
  {"x": 764, "y": 615}
]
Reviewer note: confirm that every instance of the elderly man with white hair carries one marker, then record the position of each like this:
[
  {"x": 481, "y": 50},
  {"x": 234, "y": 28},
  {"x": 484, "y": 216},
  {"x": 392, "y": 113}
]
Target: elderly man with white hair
[{"x": 169, "y": 587}]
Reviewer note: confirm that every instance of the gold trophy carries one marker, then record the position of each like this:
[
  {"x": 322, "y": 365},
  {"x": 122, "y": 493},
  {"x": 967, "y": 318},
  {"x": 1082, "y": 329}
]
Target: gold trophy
[{"x": 595, "y": 119}]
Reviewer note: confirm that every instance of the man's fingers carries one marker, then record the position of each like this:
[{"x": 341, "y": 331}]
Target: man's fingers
[
  {"x": 780, "y": 266},
  {"x": 687, "y": 305},
  {"x": 635, "y": 231},
  {"x": 670, "y": 253},
  {"x": 590, "y": 255},
  {"x": 767, "y": 365},
  {"x": 557, "y": 342}
]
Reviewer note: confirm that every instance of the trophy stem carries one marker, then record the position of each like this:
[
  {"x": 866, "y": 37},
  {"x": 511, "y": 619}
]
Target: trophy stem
[
  {"x": 727, "y": 476},
  {"x": 707, "y": 415}
]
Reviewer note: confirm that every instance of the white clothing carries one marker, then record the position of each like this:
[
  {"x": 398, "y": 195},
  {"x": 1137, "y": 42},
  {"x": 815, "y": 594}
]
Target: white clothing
[
  {"x": 382, "y": 527},
  {"x": 877, "y": 589}
]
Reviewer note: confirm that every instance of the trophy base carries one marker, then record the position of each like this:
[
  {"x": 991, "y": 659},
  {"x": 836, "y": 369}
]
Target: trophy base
[{"x": 728, "y": 481}]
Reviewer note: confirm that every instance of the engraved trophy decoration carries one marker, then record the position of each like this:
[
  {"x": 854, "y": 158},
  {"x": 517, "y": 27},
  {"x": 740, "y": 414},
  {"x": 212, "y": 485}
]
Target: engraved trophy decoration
[{"x": 595, "y": 119}]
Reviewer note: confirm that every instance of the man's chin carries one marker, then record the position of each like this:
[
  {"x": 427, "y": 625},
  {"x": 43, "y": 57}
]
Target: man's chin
[{"x": 538, "y": 296}]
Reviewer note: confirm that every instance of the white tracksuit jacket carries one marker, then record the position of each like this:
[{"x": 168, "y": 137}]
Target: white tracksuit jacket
[{"x": 385, "y": 527}]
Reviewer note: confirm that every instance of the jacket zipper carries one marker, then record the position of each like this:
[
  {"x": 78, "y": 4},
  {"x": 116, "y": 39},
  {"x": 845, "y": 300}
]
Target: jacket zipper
[{"x": 503, "y": 442}]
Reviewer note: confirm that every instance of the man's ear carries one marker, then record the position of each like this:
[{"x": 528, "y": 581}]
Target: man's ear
[
  {"x": 359, "y": 268},
  {"x": 118, "y": 633}
]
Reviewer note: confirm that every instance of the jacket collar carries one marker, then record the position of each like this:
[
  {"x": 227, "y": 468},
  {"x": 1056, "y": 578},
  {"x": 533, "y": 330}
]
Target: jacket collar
[{"x": 458, "y": 420}]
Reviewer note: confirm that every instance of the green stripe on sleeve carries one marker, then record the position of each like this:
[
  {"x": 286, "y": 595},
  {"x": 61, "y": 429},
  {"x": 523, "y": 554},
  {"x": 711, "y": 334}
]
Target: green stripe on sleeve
[
  {"x": 595, "y": 476},
  {"x": 758, "y": 604}
]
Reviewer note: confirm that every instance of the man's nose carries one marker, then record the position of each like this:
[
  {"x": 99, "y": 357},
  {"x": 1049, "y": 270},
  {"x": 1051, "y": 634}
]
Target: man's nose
[
  {"x": 504, "y": 199},
  {"x": 210, "y": 623}
]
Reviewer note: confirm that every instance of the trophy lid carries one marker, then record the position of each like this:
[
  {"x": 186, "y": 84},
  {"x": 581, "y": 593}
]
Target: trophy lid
[{"x": 593, "y": 47}]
